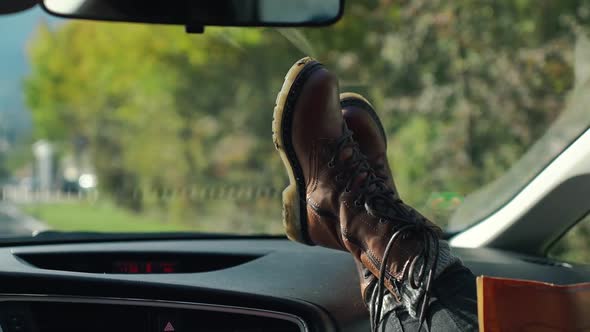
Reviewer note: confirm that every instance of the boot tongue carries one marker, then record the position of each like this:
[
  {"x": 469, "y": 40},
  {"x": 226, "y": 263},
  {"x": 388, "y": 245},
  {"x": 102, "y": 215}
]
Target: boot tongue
[
  {"x": 346, "y": 154},
  {"x": 379, "y": 201}
]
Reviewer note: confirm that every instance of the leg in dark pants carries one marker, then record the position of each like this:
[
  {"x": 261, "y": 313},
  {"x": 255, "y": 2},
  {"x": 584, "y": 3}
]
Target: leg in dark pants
[{"x": 453, "y": 306}]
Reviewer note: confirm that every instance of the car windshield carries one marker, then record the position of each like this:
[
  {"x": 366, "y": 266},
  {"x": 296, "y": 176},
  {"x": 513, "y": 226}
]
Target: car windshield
[{"x": 111, "y": 127}]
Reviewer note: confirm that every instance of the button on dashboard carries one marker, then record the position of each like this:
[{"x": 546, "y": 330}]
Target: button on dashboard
[{"x": 169, "y": 323}]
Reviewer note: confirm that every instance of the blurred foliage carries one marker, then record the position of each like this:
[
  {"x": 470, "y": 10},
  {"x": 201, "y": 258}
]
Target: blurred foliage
[
  {"x": 463, "y": 88},
  {"x": 3, "y": 169},
  {"x": 574, "y": 247}
]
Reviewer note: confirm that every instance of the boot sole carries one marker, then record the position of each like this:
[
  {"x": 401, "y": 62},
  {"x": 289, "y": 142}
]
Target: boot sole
[
  {"x": 354, "y": 99},
  {"x": 294, "y": 195}
]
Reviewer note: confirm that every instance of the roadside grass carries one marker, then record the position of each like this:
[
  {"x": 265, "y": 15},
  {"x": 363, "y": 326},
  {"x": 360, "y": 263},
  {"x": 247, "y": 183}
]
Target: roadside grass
[
  {"x": 105, "y": 216},
  {"x": 97, "y": 217}
]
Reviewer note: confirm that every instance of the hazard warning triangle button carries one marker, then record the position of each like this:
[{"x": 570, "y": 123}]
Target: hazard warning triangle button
[
  {"x": 170, "y": 323},
  {"x": 169, "y": 327}
]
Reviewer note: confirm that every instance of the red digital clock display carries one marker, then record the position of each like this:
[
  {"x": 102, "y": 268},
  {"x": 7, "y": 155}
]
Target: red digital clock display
[{"x": 145, "y": 267}]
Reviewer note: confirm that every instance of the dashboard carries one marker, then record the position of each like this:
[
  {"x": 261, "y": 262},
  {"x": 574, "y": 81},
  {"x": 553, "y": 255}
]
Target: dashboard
[{"x": 237, "y": 285}]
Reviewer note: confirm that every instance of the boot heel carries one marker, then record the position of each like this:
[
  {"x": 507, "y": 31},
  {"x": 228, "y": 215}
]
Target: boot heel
[{"x": 291, "y": 213}]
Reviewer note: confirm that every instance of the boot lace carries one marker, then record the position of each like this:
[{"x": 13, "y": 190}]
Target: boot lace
[{"x": 380, "y": 201}]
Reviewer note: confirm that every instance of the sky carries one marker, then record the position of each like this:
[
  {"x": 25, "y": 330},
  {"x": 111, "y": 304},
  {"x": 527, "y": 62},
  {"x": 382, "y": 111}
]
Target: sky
[{"x": 15, "y": 31}]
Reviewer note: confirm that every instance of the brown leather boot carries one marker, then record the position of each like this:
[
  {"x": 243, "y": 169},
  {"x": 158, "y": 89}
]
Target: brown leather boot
[
  {"x": 335, "y": 199},
  {"x": 363, "y": 121},
  {"x": 310, "y": 135},
  {"x": 368, "y": 132}
]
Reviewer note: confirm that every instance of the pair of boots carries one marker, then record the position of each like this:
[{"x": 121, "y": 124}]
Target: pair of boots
[{"x": 342, "y": 194}]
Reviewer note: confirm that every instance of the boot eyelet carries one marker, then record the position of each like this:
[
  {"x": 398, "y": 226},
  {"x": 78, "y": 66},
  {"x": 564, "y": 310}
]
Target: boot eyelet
[
  {"x": 347, "y": 190},
  {"x": 331, "y": 164},
  {"x": 338, "y": 178},
  {"x": 382, "y": 221}
]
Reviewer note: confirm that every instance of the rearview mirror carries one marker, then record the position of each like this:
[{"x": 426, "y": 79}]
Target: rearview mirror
[{"x": 203, "y": 12}]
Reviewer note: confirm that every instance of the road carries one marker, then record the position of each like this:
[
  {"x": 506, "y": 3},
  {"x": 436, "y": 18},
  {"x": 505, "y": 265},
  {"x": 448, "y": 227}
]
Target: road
[{"x": 14, "y": 223}]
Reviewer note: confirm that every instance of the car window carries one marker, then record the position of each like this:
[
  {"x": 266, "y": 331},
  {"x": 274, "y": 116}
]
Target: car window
[
  {"x": 574, "y": 246},
  {"x": 114, "y": 127}
]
